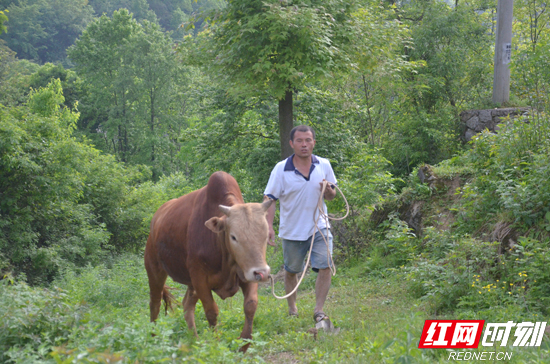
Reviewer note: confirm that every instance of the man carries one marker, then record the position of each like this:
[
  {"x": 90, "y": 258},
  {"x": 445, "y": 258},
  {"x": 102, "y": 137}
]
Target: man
[{"x": 296, "y": 182}]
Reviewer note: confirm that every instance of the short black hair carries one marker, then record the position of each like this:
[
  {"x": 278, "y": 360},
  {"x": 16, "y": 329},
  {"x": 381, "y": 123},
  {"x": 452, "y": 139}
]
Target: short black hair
[{"x": 302, "y": 128}]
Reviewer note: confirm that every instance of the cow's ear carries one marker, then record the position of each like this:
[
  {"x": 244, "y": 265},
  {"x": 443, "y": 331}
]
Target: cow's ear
[
  {"x": 215, "y": 224},
  {"x": 225, "y": 209}
]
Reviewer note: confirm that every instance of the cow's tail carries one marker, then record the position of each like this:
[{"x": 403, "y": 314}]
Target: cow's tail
[{"x": 168, "y": 298}]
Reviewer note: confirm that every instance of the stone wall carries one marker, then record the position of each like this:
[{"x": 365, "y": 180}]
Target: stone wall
[{"x": 475, "y": 121}]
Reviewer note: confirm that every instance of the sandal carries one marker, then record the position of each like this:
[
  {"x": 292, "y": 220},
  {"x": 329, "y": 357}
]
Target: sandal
[
  {"x": 322, "y": 322},
  {"x": 319, "y": 316}
]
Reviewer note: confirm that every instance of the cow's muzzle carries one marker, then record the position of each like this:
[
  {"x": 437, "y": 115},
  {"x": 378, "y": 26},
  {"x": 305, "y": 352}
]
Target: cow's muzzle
[{"x": 262, "y": 274}]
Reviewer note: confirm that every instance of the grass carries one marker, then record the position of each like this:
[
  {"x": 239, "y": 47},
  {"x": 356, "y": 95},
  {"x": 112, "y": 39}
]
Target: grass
[{"x": 105, "y": 320}]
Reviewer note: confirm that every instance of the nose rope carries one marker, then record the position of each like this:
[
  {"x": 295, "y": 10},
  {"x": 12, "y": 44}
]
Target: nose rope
[{"x": 316, "y": 219}]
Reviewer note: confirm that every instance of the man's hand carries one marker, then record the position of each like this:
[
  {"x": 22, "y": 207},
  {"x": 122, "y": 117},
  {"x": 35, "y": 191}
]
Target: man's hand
[
  {"x": 271, "y": 240},
  {"x": 330, "y": 191}
]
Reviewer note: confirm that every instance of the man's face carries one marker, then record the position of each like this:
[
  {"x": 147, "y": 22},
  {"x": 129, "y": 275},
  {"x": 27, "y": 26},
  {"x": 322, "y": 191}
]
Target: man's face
[{"x": 303, "y": 143}]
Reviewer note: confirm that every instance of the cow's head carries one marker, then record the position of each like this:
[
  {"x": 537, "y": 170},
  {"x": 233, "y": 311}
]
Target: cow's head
[{"x": 247, "y": 233}]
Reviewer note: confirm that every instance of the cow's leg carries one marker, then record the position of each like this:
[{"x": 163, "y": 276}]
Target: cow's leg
[
  {"x": 210, "y": 307},
  {"x": 157, "y": 278},
  {"x": 250, "y": 292},
  {"x": 189, "y": 302}
]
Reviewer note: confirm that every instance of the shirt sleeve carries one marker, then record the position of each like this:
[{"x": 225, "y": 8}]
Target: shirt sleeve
[{"x": 274, "y": 186}]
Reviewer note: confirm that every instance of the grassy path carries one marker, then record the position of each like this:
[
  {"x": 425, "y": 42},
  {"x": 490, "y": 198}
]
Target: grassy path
[
  {"x": 370, "y": 312},
  {"x": 101, "y": 316}
]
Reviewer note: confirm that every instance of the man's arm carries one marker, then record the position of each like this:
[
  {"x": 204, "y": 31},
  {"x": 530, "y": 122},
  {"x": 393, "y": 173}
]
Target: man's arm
[{"x": 270, "y": 217}]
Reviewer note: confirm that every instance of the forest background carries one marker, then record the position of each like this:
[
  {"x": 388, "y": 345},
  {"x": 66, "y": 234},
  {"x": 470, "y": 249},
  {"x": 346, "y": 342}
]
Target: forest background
[{"x": 112, "y": 107}]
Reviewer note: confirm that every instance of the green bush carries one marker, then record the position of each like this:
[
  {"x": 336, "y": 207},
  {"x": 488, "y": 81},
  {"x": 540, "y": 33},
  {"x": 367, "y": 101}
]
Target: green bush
[
  {"x": 443, "y": 272},
  {"x": 531, "y": 74},
  {"x": 63, "y": 203},
  {"x": 130, "y": 213},
  {"x": 528, "y": 271},
  {"x": 527, "y": 197},
  {"x": 44, "y": 225},
  {"x": 121, "y": 283},
  {"x": 510, "y": 181},
  {"x": 33, "y": 321}
]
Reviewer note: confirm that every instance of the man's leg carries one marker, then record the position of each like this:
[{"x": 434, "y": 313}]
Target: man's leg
[
  {"x": 294, "y": 252},
  {"x": 322, "y": 285},
  {"x": 290, "y": 282},
  {"x": 321, "y": 258}
]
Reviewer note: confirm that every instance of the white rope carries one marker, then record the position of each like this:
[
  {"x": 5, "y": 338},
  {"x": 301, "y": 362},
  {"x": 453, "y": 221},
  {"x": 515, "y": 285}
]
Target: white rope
[{"x": 320, "y": 204}]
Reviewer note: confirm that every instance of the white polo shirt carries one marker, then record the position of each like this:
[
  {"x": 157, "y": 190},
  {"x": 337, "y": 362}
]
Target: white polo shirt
[{"x": 298, "y": 196}]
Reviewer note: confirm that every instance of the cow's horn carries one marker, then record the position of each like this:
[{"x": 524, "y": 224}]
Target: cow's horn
[
  {"x": 267, "y": 203},
  {"x": 225, "y": 209}
]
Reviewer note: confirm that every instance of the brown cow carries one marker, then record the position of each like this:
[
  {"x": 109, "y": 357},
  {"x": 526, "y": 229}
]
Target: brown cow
[{"x": 209, "y": 240}]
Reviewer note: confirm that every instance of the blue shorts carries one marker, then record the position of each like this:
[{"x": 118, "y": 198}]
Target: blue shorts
[{"x": 295, "y": 252}]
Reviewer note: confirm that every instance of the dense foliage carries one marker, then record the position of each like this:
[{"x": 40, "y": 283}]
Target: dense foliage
[
  {"x": 63, "y": 203},
  {"x": 135, "y": 89},
  {"x": 42, "y": 30},
  {"x": 490, "y": 263}
]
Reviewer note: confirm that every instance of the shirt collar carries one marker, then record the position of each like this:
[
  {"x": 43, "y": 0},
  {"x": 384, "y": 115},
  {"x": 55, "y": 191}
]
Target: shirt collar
[{"x": 289, "y": 165}]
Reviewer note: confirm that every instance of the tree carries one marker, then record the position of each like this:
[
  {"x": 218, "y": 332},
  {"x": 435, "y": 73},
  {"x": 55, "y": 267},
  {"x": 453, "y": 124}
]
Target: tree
[
  {"x": 7, "y": 58},
  {"x": 170, "y": 14},
  {"x": 43, "y": 225},
  {"x": 25, "y": 32},
  {"x": 455, "y": 45},
  {"x": 3, "y": 18},
  {"x": 278, "y": 46},
  {"x": 139, "y": 8},
  {"x": 531, "y": 20},
  {"x": 70, "y": 82},
  {"x": 63, "y": 203},
  {"x": 14, "y": 77},
  {"x": 134, "y": 83},
  {"x": 42, "y": 30},
  {"x": 376, "y": 88},
  {"x": 155, "y": 69},
  {"x": 101, "y": 58}
]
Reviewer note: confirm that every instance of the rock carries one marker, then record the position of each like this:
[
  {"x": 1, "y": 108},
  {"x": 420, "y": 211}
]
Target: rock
[
  {"x": 469, "y": 134},
  {"x": 421, "y": 175},
  {"x": 412, "y": 215},
  {"x": 465, "y": 115},
  {"x": 473, "y": 122},
  {"x": 505, "y": 235},
  {"x": 425, "y": 173},
  {"x": 485, "y": 116}
]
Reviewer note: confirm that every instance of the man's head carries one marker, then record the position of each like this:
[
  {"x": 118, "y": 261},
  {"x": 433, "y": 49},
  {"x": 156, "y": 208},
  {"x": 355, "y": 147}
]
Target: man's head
[
  {"x": 302, "y": 141},
  {"x": 302, "y": 128}
]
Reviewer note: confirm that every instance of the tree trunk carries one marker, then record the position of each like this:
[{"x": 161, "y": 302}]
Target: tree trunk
[
  {"x": 152, "y": 121},
  {"x": 286, "y": 123},
  {"x": 152, "y": 99}
]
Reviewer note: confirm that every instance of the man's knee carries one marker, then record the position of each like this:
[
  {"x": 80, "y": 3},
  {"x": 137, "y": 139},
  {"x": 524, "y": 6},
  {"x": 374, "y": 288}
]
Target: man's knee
[
  {"x": 324, "y": 272},
  {"x": 290, "y": 275}
]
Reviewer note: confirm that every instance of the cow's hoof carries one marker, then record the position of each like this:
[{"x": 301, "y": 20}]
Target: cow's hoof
[{"x": 244, "y": 348}]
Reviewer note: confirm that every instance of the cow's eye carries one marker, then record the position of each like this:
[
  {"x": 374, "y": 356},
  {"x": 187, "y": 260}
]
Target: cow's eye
[{"x": 233, "y": 238}]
